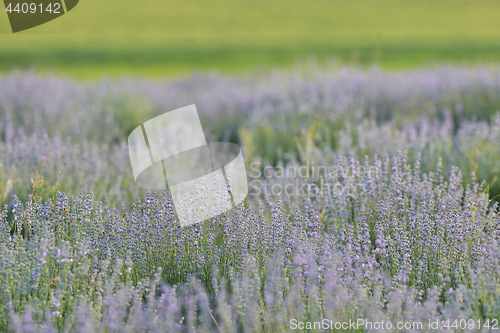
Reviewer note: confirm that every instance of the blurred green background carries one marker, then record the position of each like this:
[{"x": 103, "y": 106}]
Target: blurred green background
[{"x": 158, "y": 38}]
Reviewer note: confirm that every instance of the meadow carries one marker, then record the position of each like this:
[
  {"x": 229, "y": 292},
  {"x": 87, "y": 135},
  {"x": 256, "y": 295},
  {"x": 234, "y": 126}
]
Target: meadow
[
  {"x": 82, "y": 249},
  {"x": 170, "y": 38}
]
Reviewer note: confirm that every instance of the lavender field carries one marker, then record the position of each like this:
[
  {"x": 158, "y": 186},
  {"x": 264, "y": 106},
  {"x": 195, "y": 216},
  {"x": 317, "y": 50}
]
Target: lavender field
[{"x": 395, "y": 219}]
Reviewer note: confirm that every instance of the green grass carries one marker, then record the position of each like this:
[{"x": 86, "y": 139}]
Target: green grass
[{"x": 165, "y": 38}]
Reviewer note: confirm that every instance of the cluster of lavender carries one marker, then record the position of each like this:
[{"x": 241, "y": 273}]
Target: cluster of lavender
[
  {"x": 42, "y": 165},
  {"x": 53, "y": 129},
  {"x": 402, "y": 228},
  {"x": 413, "y": 247}
]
